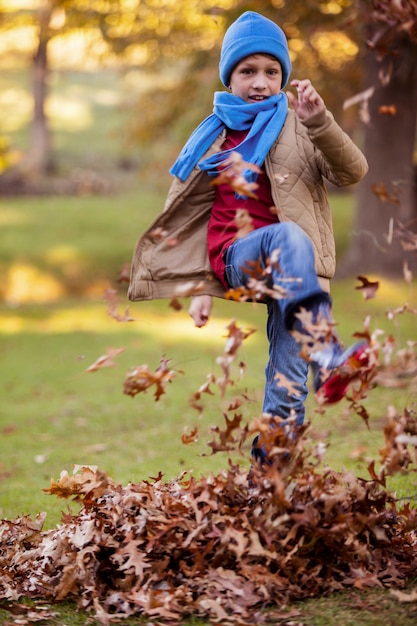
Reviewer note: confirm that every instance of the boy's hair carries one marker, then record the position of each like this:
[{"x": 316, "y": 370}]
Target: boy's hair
[{"x": 253, "y": 33}]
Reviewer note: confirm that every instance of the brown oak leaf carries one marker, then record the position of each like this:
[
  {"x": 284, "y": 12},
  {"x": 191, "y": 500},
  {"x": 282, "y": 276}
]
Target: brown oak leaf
[
  {"x": 368, "y": 287},
  {"x": 106, "y": 360}
]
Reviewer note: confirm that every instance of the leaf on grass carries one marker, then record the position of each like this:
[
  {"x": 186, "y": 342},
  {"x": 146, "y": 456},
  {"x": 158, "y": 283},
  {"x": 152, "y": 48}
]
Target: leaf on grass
[
  {"x": 214, "y": 609},
  {"x": 195, "y": 400}
]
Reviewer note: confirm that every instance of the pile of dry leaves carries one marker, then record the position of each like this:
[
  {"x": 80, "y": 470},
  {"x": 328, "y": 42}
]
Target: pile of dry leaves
[{"x": 223, "y": 547}]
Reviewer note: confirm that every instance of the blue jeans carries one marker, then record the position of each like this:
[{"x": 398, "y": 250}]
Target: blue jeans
[{"x": 295, "y": 261}]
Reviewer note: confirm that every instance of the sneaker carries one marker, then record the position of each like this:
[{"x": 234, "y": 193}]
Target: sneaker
[{"x": 344, "y": 365}]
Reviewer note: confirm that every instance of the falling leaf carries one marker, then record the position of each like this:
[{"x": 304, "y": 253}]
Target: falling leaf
[
  {"x": 381, "y": 191},
  {"x": 190, "y": 288},
  {"x": 195, "y": 400},
  {"x": 408, "y": 274},
  {"x": 390, "y": 109},
  {"x": 362, "y": 99},
  {"x": 226, "y": 439},
  {"x": 233, "y": 175},
  {"x": 358, "y": 98},
  {"x": 385, "y": 74},
  {"x": 160, "y": 235},
  {"x": 244, "y": 223},
  {"x": 191, "y": 437},
  {"x": 407, "y": 237},
  {"x": 139, "y": 379},
  {"x": 281, "y": 178},
  {"x": 111, "y": 297},
  {"x": 184, "y": 290},
  {"x": 368, "y": 287},
  {"x": 258, "y": 286},
  {"x": 106, "y": 360},
  {"x": 124, "y": 274},
  {"x": 175, "y": 304}
]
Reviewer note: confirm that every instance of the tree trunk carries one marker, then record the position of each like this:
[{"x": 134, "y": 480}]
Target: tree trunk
[
  {"x": 39, "y": 159},
  {"x": 387, "y": 195}
]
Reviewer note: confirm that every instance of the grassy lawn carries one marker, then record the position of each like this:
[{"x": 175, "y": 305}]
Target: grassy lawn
[
  {"x": 55, "y": 415},
  {"x": 54, "y": 324},
  {"x": 58, "y": 255}
]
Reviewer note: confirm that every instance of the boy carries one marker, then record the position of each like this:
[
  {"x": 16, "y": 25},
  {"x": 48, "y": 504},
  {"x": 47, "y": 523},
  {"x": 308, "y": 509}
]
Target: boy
[{"x": 290, "y": 153}]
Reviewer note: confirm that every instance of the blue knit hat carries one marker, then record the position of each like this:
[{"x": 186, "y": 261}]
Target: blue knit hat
[{"x": 253, "y": 33}]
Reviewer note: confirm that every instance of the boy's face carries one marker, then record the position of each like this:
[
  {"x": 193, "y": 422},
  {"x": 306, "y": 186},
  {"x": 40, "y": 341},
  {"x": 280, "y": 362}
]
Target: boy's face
[{"x": 256, "y": 78}]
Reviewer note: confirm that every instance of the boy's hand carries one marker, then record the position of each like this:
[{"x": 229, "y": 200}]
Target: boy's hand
[
  {"x": 308, "y": 103},
  {"x": 200, "y": 309}
]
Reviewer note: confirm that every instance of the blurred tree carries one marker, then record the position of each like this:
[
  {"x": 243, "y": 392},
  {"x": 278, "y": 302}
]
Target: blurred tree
[
  {"x": 49, "y": 19},
  {"x": 138, "y": 31},
  {"x": 387, "y": 198}
]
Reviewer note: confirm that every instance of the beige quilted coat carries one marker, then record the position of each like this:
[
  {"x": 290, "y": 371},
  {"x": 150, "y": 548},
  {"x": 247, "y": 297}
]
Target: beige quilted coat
[{"x": 303, "y": 156}]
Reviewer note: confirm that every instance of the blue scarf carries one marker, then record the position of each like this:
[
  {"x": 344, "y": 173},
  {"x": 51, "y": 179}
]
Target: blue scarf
[{"x": 264, "y": 120}]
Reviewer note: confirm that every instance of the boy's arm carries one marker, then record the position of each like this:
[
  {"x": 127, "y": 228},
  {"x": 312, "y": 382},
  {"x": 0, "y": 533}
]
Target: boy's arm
[{"x": 341, "y": 160}]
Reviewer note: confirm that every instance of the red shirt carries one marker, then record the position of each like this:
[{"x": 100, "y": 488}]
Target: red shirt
[{"x": 221, "y": 227}]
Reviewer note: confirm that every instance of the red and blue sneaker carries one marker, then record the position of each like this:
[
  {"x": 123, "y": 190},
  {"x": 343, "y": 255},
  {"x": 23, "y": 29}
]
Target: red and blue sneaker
[{"x": 334, "y": 368}]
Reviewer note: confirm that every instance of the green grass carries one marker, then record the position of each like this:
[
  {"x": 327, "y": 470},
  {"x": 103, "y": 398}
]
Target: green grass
[
  {"x": 78, "y": 242},
  {"x": 356, "y": 608},
  {"x": 57, "y": 256},
  {"x": 54, "y": 414}
]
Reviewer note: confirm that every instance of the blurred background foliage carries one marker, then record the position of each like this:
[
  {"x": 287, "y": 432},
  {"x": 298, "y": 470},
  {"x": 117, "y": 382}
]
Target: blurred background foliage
[
  {"x": 159, "y": 59},
  {"x": 168, "y": 52}
]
